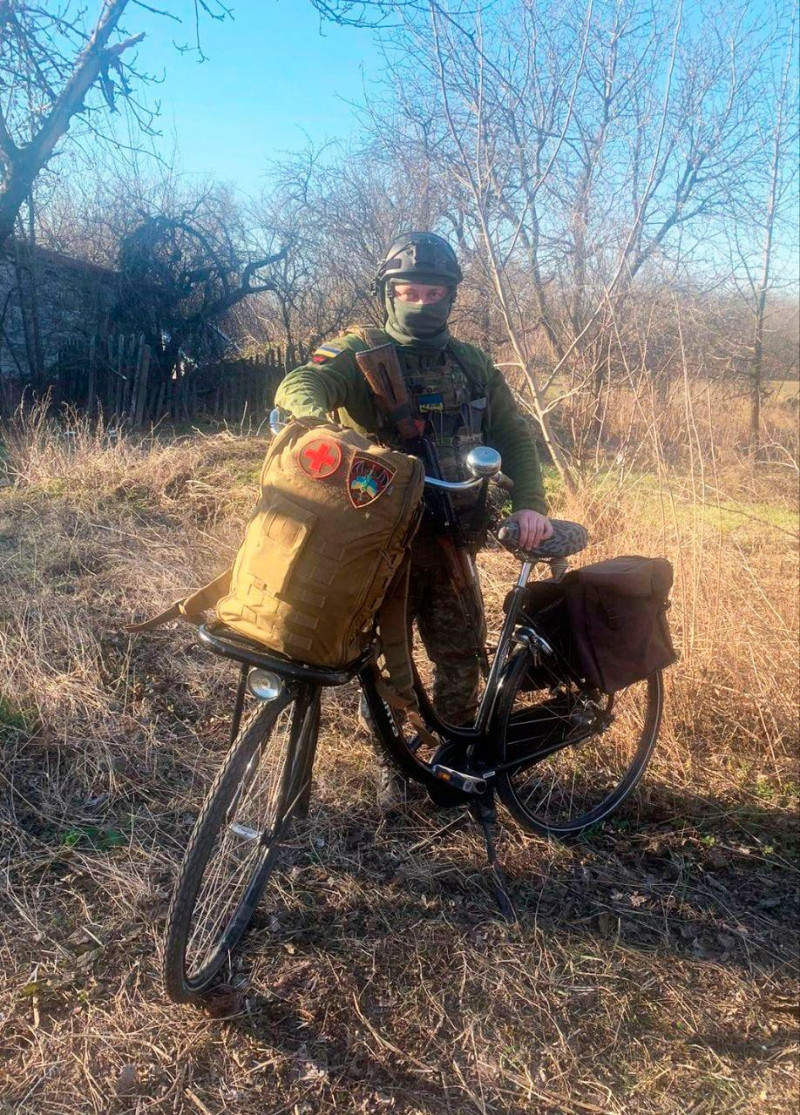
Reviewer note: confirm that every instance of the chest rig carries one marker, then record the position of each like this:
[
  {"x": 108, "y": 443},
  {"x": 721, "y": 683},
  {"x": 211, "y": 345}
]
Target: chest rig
[{"x": 443, "y": 395}]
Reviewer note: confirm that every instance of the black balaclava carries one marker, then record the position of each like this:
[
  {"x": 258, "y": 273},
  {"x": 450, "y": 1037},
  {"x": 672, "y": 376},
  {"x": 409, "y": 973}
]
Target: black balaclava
[{"x": 418, "y": 324}]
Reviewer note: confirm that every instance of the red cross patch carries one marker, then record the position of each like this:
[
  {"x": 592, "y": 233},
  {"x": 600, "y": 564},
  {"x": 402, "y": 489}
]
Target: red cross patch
[{"x": 320, "y": 458}]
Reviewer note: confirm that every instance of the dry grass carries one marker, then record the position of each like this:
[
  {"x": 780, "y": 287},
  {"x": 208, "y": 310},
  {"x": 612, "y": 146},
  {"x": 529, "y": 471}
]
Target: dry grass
[
  {"x": 653, "y": 967},
  {"x": 693, "y": 425}
]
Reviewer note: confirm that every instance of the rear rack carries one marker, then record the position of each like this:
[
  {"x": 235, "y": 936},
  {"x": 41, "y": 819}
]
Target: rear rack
[{"x": 225, "y": 642}]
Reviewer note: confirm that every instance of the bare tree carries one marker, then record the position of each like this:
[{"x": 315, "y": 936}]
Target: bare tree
[
  {"x": 766, "y": 201},
  {"x": 339, "y": 212},
  {"x": 182, "y": 272},
  {"x": 55, "y": 67},
  {"x": 367, "y": 13},
  {"x": 588, "y": 151}
]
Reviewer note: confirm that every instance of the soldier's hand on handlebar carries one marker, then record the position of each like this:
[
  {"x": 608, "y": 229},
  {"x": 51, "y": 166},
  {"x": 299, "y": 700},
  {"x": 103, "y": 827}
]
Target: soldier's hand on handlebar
[{"x": 533, "y": 528}]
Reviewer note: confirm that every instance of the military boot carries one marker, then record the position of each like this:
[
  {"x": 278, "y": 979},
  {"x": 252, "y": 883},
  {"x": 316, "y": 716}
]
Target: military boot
[{"x": 391, "y": 786}]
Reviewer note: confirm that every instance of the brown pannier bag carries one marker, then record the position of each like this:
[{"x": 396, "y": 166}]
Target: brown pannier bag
[
  {"x": 608, "y": 620},
  {"x": 329, "y": 535}
]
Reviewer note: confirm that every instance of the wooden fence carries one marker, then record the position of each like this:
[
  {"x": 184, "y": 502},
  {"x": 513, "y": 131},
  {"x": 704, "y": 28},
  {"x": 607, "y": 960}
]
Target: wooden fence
[{"x": 117, "y": 378}]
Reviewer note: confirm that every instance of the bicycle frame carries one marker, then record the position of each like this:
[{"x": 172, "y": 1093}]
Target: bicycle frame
[
  {"x": 473, "y": 740},
  {"x": 475, "y": 733}
]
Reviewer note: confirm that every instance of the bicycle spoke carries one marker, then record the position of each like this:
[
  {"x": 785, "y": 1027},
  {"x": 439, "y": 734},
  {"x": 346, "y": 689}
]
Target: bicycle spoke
[
  {"x": 251, "y": 826},
  {"x": 586, "y": 751},
  {"x": 208, "y": 931}
]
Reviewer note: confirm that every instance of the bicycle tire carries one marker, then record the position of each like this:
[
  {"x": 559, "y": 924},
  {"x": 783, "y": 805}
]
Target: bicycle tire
[
  {"x": 564, "y": 800},
  {"x": 285, "y": 731}
]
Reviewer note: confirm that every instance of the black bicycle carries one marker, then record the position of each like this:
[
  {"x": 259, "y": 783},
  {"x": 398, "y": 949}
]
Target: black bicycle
[{"x": 561, "y": 755}]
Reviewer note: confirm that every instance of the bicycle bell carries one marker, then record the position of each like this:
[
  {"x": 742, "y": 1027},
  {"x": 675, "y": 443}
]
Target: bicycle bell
[
  {"x": 278, "y": 417},
  {"x": 484, "y": 461}
]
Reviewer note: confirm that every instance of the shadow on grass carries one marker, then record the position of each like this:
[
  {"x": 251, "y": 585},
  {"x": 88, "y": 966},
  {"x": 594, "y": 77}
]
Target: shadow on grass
[
  {"x": 365, "y": 906},
  {"x": 379, "y": 973},
  {"x": 708, "y": 878}
]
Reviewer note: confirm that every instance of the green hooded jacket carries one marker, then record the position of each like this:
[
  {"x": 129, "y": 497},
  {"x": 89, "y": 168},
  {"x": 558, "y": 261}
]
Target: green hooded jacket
[{"x": 332, "y": 384}]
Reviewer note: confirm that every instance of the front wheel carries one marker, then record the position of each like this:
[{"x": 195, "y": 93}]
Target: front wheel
[
  {"x": 568, "y": 758},
  {"x": 260, "y": 790}
]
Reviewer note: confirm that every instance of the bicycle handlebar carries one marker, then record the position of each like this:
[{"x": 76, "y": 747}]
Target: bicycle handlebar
[
  {"x": 499, "y": 478},
  {"x": 567, "y": 538},
  {"x": 454, "y": 485}
]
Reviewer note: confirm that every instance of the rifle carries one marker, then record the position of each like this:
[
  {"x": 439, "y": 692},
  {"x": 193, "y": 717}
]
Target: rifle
[{"x": 381, "y": 369}]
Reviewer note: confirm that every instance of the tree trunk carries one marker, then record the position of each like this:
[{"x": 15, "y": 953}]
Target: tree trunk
[
  {"x": 21, "y": 165},
  {"x": 778, "y": 154},
  {"x": 760, "y": 311},
  {"x": 554, "y": 447},
  {"x": 36, "y": 324},
  {"x": 13, "y": 193},
  {"x": 755, "y": 409}
]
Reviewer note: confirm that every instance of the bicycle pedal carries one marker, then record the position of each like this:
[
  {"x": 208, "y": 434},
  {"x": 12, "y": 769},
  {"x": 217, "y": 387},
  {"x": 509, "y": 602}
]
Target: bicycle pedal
[{"x": 468, "y": 783}]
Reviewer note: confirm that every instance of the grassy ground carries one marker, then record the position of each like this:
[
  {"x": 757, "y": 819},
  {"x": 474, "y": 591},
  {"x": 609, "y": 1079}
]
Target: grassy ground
[{"x": 653, "y": 969}]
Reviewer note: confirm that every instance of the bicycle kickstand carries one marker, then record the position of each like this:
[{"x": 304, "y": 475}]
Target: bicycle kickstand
[{"x": 483, "y": 810}]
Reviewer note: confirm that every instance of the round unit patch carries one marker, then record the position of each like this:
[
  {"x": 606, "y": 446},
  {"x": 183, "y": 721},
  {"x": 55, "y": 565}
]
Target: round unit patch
[{"x": 320, "y": 458}]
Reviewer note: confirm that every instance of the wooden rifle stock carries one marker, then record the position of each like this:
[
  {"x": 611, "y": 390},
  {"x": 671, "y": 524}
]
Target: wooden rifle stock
[{"x": 381, "y": 369}]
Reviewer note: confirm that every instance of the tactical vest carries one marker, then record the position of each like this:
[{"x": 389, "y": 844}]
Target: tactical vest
[{"x": 442, "y": 392}]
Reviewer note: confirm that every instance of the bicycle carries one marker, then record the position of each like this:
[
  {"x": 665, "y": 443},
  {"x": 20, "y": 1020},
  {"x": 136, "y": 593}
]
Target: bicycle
[{"x": 560, "y": 755}]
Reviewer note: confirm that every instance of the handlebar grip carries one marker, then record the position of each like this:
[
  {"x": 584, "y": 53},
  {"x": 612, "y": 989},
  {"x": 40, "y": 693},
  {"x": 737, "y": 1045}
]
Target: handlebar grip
[
  {"x": 504, "y": 482},
  {"x": 508, "y": 533},
  {"x": 567, "y": 538}
]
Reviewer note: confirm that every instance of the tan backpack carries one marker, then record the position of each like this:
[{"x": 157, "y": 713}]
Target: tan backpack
[{"x": 330, "y": 532}]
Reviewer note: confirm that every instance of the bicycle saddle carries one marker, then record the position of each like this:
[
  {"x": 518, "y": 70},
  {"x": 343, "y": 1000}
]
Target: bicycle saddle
[{"x": 567, "y": 538}]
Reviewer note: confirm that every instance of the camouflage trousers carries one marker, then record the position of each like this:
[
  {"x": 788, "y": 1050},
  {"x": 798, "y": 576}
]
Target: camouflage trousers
[{"x": 439, "y": 610}]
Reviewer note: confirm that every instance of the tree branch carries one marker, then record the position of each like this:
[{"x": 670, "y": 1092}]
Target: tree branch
[
  {"x": 257, "y": 264},
  {"x": 92, "y": 59}
]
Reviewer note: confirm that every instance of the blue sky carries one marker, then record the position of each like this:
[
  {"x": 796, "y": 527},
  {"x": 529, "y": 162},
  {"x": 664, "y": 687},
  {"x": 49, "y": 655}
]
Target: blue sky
[
  {"x": 275, "y": 77},
  {"x": 271, "y": 76}
]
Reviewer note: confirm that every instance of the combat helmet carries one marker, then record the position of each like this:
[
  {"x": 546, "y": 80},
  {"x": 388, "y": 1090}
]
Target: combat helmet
[{"x": 420, "y": 256}]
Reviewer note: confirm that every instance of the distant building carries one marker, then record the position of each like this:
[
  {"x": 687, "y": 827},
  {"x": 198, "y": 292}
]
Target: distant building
[
  {"x": 61, "y": 332},
  {"x": 50, "y": 304}
]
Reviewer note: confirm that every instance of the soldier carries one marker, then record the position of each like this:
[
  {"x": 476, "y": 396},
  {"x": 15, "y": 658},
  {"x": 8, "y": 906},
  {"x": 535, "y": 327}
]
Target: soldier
[{"x": 466, "y": 402}]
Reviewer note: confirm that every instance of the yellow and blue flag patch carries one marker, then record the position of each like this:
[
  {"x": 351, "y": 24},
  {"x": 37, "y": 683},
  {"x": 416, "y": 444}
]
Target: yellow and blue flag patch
[{"x": 326, "y": 352}]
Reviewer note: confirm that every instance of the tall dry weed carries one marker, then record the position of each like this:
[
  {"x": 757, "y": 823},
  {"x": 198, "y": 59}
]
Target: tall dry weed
[
  {"x": 649, "y": 960},
  {"x": 98, "y": 526},
  {"x": 194, "y": 477},
  {"x": 107, "y": 524},
  {"x": 685, "y": 424}
]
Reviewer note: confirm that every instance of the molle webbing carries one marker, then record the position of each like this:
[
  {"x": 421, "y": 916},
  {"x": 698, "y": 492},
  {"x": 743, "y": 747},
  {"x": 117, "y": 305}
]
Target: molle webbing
[
  {"x": 330, "y": 534},
  {"x": 370, "y": 335}
]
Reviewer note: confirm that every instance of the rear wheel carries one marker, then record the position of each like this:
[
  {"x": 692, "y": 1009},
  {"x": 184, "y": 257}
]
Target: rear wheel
[
  {"x": 248, "y": 816},
  {"x": 571, "y": 757}
]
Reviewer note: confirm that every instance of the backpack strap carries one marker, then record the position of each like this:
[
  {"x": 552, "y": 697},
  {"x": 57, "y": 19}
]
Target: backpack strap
[
  {"x": 190, "y": 607},
  {"x": 398, "y": 689},
  {"x": 393, "y": 629},
  {"x": 370, "y": 335}
]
